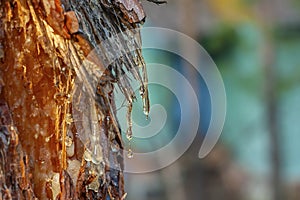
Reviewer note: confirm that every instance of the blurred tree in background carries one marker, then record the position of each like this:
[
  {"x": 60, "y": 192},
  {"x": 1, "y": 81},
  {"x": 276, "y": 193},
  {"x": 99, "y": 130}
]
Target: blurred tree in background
[{"x": 256, "y": 46}]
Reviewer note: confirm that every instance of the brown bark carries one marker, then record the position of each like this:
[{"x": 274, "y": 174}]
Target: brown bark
[{"x": 58, "y": 141}]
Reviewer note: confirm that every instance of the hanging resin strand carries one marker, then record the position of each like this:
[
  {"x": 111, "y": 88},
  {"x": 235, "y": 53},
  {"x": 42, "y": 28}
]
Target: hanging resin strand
[
  {"x": 144, "y": 85},
  {"x": 144, "y": 90},
  {"x": 129, "y": 129},
  {"x": 145, "y": 99}
]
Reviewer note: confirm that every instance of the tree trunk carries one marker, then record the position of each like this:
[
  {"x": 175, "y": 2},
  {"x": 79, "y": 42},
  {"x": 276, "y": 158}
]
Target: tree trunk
[{"x": 59, "y": 62}]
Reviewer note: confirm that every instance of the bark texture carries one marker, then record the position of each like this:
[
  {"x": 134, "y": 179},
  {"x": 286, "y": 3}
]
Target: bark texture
[{"x": 59, "y": 64}]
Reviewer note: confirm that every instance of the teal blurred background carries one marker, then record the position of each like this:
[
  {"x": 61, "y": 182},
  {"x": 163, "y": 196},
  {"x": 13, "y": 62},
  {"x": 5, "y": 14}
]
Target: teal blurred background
[{"x": 256, "y": 46}]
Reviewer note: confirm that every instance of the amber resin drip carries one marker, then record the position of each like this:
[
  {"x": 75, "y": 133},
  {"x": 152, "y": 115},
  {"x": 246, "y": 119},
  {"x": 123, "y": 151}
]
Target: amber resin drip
[{"x": 60, "y": 62}]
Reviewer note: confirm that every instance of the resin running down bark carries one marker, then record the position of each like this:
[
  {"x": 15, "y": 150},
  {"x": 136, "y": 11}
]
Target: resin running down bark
[{"x": 60, "y": 62}]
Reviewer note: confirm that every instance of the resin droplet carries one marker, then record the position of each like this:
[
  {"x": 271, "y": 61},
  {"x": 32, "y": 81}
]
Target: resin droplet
[
  {"x": 69, "y": 119},
  {"x": 69, "y": 99},
  {"x": 146, "y": 105},
  {"x": 47, "y": 139},
  {"x": 142, "y": 91},
  {"x": 94, "y": 185},
  {"x": 146, "y": 112},
  {"x": 87, "y": 156},
  {"x": 97, "y": 154},
  {"x": 129, "y": 122},
  {"x": 71, "y": 150},
  {"x": 145, "y": 99},
  {"x": 115, "y": 147},
  {"x": 129, "y": 134},
  {"x": 101, "y": 168},
  {"x": 68, "y": 141},
  {"x": 130, "y": 153}
]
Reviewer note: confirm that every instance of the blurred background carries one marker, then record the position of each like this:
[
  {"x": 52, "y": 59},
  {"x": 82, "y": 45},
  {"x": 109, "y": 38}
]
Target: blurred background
[{"x": 256, "y": 47}]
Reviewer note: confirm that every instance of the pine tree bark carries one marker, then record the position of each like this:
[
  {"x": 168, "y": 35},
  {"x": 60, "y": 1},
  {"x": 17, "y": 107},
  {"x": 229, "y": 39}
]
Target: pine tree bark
[{"x": 58, "y": 141}]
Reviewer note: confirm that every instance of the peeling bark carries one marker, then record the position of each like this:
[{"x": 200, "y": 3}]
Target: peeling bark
[{"x": 59, "y": 64}]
